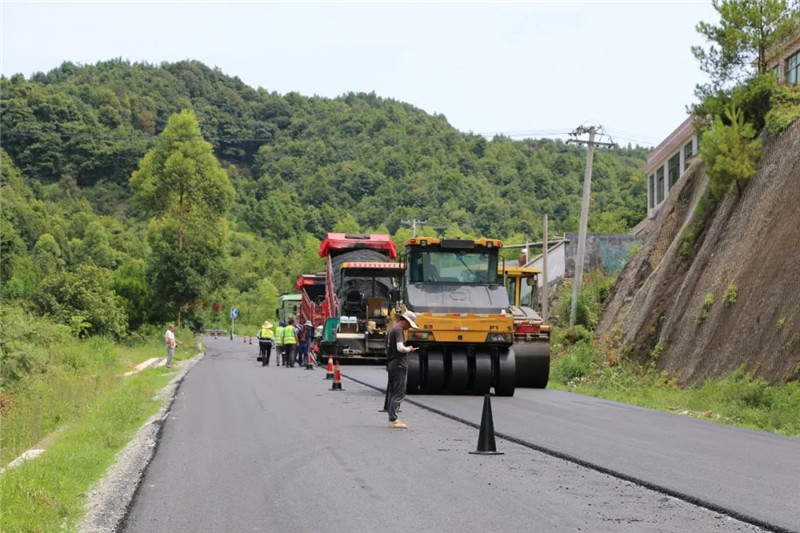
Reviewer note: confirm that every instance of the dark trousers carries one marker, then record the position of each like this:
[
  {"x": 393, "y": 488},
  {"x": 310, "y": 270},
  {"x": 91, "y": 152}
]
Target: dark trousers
[
  {"x": 302, "y": 353},
  {"x": 397, "y": 389},
  {"x": 266, "y": 350},
  {"x": 288, "y": 355}
]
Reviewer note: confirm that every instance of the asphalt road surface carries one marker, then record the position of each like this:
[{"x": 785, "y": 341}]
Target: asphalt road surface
[{"x": 249, "y": 448}]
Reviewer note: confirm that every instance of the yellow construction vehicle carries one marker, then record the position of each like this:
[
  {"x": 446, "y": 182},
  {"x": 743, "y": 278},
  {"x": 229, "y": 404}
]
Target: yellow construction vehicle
[
  {"x": 531, "y": 336},
  {"x": 465, "y": 336}
]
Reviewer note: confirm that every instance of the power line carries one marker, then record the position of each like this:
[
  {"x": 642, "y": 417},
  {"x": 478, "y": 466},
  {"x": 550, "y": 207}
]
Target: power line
[{"x": 413, "y": 223}]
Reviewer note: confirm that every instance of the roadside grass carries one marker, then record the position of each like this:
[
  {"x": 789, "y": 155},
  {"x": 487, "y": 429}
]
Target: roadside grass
[
  {"x": 48, "y": 493},
  {"x": 49, "y": 378},
  {"x": 739, "y": 398},
  {"x": 72, "y": 396},
  {"x": 584, "y": 364}
]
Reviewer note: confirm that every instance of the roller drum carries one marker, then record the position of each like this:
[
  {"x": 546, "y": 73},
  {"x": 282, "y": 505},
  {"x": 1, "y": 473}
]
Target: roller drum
[{"x": 532, "y": 364}]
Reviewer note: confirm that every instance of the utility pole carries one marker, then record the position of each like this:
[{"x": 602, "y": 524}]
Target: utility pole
[
  {"x": 413, "y": 223},
  {"x": 587, "y": 188},
  {"x": 545, "y": 281}
]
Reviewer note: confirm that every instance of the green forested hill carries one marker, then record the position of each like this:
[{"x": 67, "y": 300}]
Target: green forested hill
[{"x": 300, "y": 166}]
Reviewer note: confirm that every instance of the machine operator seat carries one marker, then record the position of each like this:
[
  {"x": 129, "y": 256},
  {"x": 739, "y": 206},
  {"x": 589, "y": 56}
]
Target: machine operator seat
[{"x": 353, "y": 303}]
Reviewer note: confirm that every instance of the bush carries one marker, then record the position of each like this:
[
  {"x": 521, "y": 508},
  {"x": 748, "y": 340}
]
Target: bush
[
  {"x": 731, "y": 294},
  {"x": 576, "y": 334},
  {"x": 741, "y": 389},
  {"x": 729, "y": 152},
  {"x": 28, "y": 344},
  {"x": 596, "y": 289},
  {"x": 785, "y": 108},
  {"x": 578, "y": 363},
  {"x": 708, "y": 301}
]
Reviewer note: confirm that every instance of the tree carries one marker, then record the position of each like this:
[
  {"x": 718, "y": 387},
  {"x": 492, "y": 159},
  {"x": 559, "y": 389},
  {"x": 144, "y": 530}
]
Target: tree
[
  {"x": 181, "y": 279},
  {"x": 128, "y": 282},
  {"x": 730, "y": 152},
  {"x": 85, "y": 293},
  {"x": 180, "y": 175},
  {"x": 747, "y": 32},
  {"x": 47, "y": 253},
  {"x": 180, "y": 180},
  {"x": 348, "y": 224}
]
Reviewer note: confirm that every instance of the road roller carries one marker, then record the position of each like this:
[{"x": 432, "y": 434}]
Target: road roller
[
  {"x": 465, "y": 332},
  {"x": 531, "y": 336}
]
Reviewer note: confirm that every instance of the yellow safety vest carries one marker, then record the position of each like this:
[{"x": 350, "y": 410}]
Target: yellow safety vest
[
  {"x": 288, "y": 335},
  {"x": 266, "y": 333},
  {"x": 279, "y": 334}
]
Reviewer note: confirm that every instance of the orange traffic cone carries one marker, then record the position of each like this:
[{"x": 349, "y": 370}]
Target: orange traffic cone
[
  {"x": 329, "y": 374},
  {"x": 309, "y": 361},
  {"x": 244, "y": 339},
  {"x": 215, "y": 334},
  {"x": 251, "y": 340},
  {"x": 337, "y": 379}
]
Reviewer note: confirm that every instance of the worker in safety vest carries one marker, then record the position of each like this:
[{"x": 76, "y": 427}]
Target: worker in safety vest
[
  {"x": 289, "y": 343},
  {"x": 266, "y": 338},
  {"x": 279, "y": 358}
]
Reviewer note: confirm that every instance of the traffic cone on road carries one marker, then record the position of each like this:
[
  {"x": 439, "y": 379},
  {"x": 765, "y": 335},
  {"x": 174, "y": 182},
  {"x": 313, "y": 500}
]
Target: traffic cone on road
[
  {"x": 337, "y": 378},
  {"x": 486, "y": 444},
  {"x": 244, "y": 340},
  {"x": 329, "y": 374},
  {"x": 309, "y": 361},
  {"x": 215, "y": 335},
  {"x": 251, "y": 340}
]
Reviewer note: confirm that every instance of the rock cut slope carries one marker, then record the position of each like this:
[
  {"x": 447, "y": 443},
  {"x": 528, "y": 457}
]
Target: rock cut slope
[{"x": 747, "y": 257}]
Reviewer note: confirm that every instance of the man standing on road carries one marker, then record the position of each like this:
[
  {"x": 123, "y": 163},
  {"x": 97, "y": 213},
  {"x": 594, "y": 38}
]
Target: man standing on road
[
  {"x": 279, "y": 343},
  {"x": 170, "y": 341},
  {"x": 289, "y": 342},
  {"x": 266, "y": 337},
  {"x": 397, "y": 365}
]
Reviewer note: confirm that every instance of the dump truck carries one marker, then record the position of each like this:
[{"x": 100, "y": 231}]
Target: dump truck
[
  {"x": 466, "y": 332},
  {"x": 312, "y": 291},
  {"x": 361, "y": 287},
  {"x": 288, "y": 307},
  {"x": 531, "y": 336}
]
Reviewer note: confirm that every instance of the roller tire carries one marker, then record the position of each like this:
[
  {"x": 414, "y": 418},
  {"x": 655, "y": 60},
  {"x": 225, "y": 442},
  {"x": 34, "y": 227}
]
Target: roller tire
[
  {"x": 482, "y": 380},
  {"x": 459, "y": 372},
  {"x": 505, "y": 379}
]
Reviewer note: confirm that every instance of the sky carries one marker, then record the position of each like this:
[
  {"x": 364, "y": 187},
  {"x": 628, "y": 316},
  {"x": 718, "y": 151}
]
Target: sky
[{"x": 522, "y": 69}]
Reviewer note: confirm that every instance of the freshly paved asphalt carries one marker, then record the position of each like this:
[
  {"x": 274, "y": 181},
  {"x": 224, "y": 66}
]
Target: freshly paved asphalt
[
  {"x": 248, "y": 448},
  {"x": 749, "y": 474}
]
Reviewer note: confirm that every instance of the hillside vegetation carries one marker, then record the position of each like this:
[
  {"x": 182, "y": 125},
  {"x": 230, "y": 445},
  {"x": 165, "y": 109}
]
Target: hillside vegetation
[
  {"x": 77, "y": 247},
  {"x": 724, "y": 294}
]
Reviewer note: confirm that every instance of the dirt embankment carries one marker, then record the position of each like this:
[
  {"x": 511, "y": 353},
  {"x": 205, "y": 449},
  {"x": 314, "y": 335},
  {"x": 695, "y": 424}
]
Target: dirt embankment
[{"x": 750, "y": 246}]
